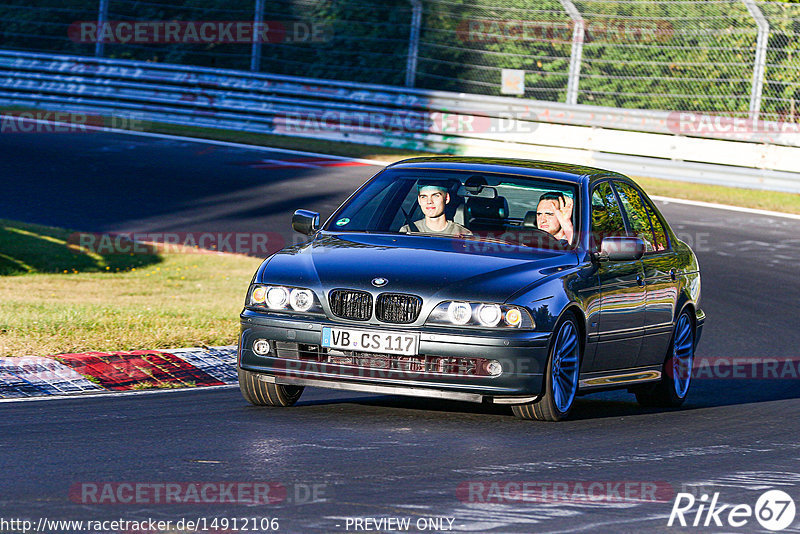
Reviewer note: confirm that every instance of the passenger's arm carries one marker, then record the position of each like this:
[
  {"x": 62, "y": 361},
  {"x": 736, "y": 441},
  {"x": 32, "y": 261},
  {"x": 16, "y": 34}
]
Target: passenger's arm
[{"x": 564, "y": 216}]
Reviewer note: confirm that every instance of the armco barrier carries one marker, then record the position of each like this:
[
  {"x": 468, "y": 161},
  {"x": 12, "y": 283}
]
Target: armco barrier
[{"x": 660, "y": 144}]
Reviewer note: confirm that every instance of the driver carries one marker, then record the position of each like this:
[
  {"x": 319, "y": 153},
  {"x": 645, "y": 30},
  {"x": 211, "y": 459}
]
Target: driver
[{"x": 432, "y": 199}]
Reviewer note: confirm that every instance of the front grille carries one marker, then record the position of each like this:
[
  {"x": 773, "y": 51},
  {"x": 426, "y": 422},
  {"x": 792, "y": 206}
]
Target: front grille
[
  {"x": 367, "y": 364},
  {"x": 351, "y": 304},
  {"x": 397, "y": 308}
]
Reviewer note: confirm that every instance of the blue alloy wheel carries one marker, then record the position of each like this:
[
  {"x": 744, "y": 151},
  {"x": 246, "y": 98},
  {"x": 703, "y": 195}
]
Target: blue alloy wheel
[
  {"x": 682, "y": 355},
  {"x": 676, "y": 375},
  {"x": 564, "y": 375},
  {"x": 561, "y": 378}
]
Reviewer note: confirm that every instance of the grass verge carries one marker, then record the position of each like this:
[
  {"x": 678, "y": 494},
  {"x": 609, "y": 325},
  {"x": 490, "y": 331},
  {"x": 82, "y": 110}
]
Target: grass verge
[
  {"x": 56, "y": 299},
  {"x": 734, "y": 196}
]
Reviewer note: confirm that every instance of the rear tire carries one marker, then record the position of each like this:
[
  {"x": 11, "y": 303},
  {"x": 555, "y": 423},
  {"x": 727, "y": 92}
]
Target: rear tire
[
  {"x": 561, "y": 378},
  {"x": 676, "y": 375},
  {"x": 260, "y": 393}
]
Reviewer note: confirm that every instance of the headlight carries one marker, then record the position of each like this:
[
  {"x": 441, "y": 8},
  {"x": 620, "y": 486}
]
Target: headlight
[
  {"x": 489, "y": 314},
  {"x": 281, "y": 298},
  {"x": 301, "y": 299},
  {"x": 459, "y": 312},
  {"x": 481, "y": 314},
  {"x": 277, "y": 297}
]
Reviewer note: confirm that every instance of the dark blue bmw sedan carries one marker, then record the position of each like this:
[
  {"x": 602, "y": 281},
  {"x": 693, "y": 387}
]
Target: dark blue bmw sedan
[{"x": 506, "y": 281}]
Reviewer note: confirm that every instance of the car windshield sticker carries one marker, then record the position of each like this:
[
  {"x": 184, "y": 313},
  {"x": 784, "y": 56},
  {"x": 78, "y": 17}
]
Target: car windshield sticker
[{"x": 342, "y": 222}]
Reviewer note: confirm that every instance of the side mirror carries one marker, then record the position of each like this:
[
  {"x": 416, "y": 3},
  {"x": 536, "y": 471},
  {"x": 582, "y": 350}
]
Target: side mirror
[
  {"x": 305, "y": 222},
  {"x": 621, "y": 249}
]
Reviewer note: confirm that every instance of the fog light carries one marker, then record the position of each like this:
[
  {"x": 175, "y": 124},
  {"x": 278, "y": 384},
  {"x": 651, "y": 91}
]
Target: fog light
[
  {"x": 261, "y": 347},
  {"x": 494, "y": 368}
]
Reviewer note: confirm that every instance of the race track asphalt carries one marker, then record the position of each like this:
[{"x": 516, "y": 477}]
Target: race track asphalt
[{"x": 380, "y": 456}]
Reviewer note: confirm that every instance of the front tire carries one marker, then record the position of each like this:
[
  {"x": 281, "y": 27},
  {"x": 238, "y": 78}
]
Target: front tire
[
  {"x": 676, "y": 376},
  {"x": 561, "y": 378},
  {"x": 260, "y": 393}
]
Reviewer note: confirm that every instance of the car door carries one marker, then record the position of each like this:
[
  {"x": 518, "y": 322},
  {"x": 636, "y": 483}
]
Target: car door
[
  {"x": 622, "y": 293},
  {"x": 659, "y": 275}
]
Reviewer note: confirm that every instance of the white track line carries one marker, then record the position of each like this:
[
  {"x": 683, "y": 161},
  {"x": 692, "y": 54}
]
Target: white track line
[{"x": 377, "y": 163}]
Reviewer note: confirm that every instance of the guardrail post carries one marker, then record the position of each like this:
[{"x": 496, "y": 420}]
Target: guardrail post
[
  {"x": 413, "y": 42},
  {"x": 102, "y": 17},
  {"x": 760, "y": 62},
  {"x": 255, "y": 52},
  {"x": 577, "y": 51}
]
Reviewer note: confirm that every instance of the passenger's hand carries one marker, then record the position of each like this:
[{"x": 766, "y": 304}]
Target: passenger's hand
[
  {"x": 565, "y": 204},
  {"x": 564, "y": 216}
]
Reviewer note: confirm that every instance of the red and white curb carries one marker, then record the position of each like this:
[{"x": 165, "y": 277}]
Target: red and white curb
[{"x": 95, "y": 372}]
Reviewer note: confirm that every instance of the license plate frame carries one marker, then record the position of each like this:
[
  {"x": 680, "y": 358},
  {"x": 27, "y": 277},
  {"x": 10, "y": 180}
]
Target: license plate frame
[{"x": 372, "y": 341}]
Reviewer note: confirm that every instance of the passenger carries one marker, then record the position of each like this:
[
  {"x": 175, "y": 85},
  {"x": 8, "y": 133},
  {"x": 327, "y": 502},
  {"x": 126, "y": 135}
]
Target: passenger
[
  {"x": 432, "y": 199},
  {"x": 554, "y": 215}
]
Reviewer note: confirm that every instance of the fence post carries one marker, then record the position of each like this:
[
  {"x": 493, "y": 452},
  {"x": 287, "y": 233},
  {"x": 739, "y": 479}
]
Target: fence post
[
  {"x": 102, "y": 17},
  {"x": 759, "y": 64},
  {"x": 255, "y": 52},
  {"x": 577, "y": 51},
  {"x": 413, "y": 42}
]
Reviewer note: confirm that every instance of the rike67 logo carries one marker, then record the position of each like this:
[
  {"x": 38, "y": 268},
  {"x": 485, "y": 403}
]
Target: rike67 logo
[{"x": 774, "y": 510}]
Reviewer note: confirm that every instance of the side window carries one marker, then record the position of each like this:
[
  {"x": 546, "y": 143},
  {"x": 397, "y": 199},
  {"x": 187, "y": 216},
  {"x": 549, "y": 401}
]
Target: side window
[
  {"x": 640, "y": 216},
  {"x": 659, "y": 234},
  {"x": 606, "y": 215}
]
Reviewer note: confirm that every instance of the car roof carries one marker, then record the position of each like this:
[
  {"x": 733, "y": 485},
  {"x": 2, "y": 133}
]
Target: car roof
[{"x": 533, "y": 168}]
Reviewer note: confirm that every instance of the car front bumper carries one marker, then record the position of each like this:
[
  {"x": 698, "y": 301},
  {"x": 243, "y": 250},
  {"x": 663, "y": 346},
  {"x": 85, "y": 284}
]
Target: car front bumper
[{"x": 522, "y": 354}]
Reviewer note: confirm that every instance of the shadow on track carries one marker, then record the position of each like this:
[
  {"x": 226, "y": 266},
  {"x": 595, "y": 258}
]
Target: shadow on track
[{"x": 705, "y": 393}]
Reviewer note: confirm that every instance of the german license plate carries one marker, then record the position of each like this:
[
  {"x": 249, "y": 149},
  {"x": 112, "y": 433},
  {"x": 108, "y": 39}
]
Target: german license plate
[{"x": 370, "y": 341}]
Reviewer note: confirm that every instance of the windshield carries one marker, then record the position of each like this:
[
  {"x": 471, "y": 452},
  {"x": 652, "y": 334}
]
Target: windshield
[{"x": 515, "y": 209}]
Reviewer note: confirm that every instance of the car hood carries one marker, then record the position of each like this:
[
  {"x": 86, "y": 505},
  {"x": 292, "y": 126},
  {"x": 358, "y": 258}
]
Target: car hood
[{"x": 430, "y": 267}]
